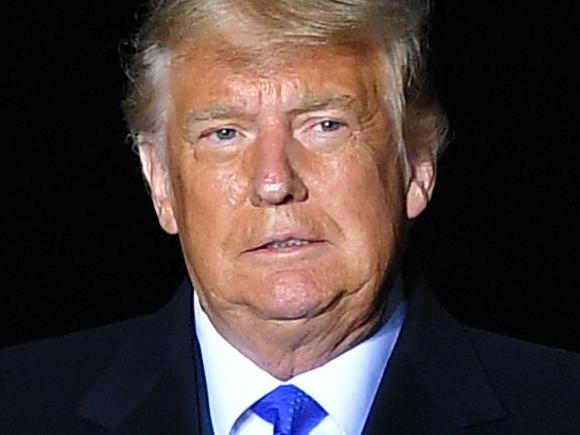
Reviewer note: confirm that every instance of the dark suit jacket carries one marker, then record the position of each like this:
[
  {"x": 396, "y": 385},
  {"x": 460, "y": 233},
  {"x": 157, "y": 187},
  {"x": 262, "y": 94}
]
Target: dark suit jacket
[{"x": 144, "y": 376}]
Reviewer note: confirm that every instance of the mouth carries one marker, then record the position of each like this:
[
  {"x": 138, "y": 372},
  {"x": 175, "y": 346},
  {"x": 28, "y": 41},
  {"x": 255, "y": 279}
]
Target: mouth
[{"x": 285, "y": 245}]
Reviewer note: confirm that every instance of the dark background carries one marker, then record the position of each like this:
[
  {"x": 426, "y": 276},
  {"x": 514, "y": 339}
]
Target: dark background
[{"x": 80, "y": 243}]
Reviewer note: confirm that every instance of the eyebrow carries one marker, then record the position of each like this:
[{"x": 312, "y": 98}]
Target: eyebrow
[
  {"x": 314, "y": 103},
  {"x": 218, "y": 111},
  {"x": 214, "y": 112}
]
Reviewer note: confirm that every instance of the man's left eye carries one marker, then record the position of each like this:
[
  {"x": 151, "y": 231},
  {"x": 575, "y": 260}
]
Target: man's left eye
[
  {"x": 329, "y": 125},
  {"x": 226, "y": 133}
]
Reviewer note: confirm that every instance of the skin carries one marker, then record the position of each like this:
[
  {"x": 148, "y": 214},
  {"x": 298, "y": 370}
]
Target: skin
[{"x": 270, "y": 150}]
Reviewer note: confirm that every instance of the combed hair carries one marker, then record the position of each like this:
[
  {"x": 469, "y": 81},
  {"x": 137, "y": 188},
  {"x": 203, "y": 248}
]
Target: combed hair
[{"x": 399, "y": 28}]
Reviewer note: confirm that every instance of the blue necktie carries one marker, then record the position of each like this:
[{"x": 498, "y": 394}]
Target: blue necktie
[{"x": 290, "y": 410}]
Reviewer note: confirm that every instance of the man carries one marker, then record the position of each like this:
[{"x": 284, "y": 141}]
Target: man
[{"x": 289, "y": 145}]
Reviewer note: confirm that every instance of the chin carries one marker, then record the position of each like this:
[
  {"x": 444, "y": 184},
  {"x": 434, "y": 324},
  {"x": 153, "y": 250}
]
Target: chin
[{"x": 290, "y": 296}]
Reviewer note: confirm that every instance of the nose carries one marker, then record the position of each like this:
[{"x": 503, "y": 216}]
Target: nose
[{"x": 276, "y": 181}]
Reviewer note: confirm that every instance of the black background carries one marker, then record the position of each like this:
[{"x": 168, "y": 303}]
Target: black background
[{"x": 499, "y": 243}]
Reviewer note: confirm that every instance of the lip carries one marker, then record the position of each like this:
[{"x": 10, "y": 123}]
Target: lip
[{"x": 261, "y": 247}]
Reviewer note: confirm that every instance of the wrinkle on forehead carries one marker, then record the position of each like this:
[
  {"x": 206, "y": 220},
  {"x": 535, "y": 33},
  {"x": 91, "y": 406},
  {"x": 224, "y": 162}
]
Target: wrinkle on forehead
[{"x": 274, "y": 76}]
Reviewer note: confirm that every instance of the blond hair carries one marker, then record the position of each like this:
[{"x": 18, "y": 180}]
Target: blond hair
[{"x": 398, "y": 26}]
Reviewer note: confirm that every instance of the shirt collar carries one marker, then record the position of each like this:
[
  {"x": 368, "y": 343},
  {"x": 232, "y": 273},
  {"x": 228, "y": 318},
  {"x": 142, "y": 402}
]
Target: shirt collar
[{"x": 345, "y": 386}]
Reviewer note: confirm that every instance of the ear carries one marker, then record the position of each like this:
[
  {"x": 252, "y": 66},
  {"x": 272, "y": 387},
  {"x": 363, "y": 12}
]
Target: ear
[
  {"x": 157, "y": 175},
  {"x": 420, "y": 184}
]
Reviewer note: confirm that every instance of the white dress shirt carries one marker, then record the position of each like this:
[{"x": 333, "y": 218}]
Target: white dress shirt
[{"x": 345, "y": 386}]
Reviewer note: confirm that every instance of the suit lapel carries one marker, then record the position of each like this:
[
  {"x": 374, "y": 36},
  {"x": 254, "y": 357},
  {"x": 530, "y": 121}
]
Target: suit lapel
[
  {"x": 434, "y": 382},
  {"x": 151, "y": 386}
]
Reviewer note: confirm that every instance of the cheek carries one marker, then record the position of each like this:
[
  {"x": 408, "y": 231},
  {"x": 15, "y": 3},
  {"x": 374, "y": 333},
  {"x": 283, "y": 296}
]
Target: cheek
[
  {"x": 366, "y": 200},
  {"x": 207, "y": 200},
  {"x": 202, "y": 222}
]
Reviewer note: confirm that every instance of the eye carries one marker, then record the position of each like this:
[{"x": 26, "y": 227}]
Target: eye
[
  {"x": 330, "y": 125},
  {"x": 225, "y": 134}
]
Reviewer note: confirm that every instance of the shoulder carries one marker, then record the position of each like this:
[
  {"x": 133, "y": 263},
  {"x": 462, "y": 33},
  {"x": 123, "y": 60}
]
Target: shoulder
[
  {"x": 535, "y": 369},
  {"x": 485, "y": 381},
  {"x": 61, "y": 362},
  {"x": 538, "y": 385},
  {"x": 71, "y": 351},
  {"x": 507, "y": 361},
  {"x": 82, "y": 382},
  {"x": 42, "y": 380},
  {"x": 89, "y": 349}
]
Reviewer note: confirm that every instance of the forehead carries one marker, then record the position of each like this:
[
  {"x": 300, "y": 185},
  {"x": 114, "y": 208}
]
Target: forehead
[{"x": 214, "y": 69}]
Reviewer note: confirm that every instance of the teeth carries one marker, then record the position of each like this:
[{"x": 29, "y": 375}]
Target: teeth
[{"x": 287, "y": 244}]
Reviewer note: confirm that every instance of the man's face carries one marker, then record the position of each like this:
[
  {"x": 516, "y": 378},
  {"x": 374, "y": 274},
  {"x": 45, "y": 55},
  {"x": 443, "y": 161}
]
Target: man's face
[{"x": 283, "y": 183}]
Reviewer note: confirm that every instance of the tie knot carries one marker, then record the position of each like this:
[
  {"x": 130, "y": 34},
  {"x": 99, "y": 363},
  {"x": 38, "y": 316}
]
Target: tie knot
[{"x": 290, "y": 410}]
